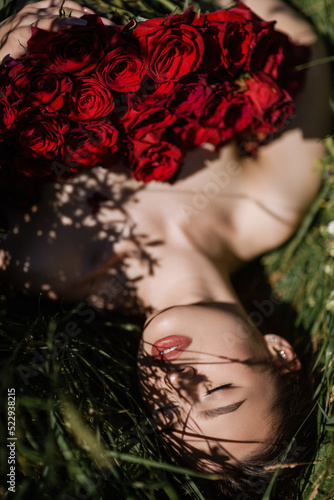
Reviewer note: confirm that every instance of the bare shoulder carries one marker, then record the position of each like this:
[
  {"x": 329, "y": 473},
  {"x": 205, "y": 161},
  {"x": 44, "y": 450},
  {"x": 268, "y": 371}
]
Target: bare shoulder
[
  {"x": 286, "y": 168},
  {"x": 285, "y": 177},
  {"x": 287, "y": 19}
]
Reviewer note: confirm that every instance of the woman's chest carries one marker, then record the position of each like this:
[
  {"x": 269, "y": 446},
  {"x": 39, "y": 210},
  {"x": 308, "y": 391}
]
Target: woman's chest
[
  {"x": 88, "y": 226},
  {"x": 84, "y": 226}
]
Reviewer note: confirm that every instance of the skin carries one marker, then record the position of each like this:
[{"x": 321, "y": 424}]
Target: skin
[
  {"x": 223, "y": 211},
  {"x": 221, "y": 385},
  {"x": 16, "y": 30}
]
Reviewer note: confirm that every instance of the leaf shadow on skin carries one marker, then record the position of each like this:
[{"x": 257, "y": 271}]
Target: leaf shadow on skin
[
  {"x": 67, "y": 244},
  {"x": 177, "y": 427}
]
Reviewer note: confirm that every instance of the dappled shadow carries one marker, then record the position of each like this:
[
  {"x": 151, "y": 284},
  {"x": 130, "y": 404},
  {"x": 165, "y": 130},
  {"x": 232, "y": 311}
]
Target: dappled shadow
[
  {"x": 80, "y": 241},
  {"x": 23, "y": 19},
  {"x": 177, "y": 403},
  {"x": 174, "y": 406}
]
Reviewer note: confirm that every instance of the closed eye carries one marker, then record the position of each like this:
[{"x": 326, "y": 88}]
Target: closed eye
[{"x": 220, "y": 388}]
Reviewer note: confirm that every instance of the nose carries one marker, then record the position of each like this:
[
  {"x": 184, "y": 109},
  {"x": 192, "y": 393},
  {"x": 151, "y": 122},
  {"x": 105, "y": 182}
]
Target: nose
[{"x": 180, "y": 377}]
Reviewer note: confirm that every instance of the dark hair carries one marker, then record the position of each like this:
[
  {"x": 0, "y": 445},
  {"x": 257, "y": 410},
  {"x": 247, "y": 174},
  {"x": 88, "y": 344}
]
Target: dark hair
[{"x": 296, "y": 431}]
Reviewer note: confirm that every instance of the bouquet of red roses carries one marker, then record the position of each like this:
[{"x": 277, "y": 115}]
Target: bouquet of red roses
[{"x": 145, "y": 93}]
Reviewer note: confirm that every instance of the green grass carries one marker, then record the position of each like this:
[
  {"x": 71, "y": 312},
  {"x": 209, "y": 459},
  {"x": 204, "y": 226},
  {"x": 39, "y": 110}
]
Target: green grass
[
  {"x": 302, "y": 273},
  {"x": 81, "y": 428}
]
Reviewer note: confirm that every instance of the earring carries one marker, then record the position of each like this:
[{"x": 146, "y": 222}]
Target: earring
[
  {"x": 273, "y": 339},
  {"x": 282, "y": 353}
]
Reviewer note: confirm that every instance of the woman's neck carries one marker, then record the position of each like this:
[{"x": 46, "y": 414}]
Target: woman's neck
[{"x": 185, "y": 276}]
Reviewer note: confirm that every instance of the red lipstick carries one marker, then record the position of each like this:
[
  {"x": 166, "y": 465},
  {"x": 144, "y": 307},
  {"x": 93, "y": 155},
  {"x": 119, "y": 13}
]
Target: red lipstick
[{"x": 171, "y": 347}]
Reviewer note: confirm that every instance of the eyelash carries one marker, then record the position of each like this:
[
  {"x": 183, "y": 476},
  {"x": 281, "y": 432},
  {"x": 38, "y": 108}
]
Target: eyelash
[{"x": 220, "y": 387}]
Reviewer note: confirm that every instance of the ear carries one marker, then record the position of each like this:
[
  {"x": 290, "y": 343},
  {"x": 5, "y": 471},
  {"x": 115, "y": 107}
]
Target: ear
[{"x": 282, "y": 353}]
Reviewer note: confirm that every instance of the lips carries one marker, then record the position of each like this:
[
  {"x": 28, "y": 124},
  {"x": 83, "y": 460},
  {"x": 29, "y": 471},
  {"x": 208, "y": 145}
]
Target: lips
[{"x": 170, "y": 348}]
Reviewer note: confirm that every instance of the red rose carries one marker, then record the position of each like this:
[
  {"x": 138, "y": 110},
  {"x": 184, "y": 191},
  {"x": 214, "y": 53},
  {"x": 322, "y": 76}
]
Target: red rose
[
  {"x": 121, "y": 107},
  {"x": 169, "y": 50},
  {"x": 189, "y": 100},
  {"x": 91, "y": 144},
  {"x": 212, "y": 57},
  {"x": 271, "y": 46},
  {"x": 41, "y": 136},
  {"x": 230, "y": 114},
  {"x": 90, "y": 99},
  {"x": 216, "y": 105},
  {"x": 237, "y": 41},
  {"x": 8, "y": 114},
  {"x": 238, "y": 116},
  {"x": 190, "y": 135},
  {"x": 187, "y": 17},
  {"x": 75, "y": 50},
  {"x": 272, "y": 108},
  {"x": 39, "y": 85},
  {"x": 176, "y": 20},
  {"x": 271, "y": 104},
  {"x": 154, "y": 161},
  {"x": 151, "y": 93},
  {"x": 277, "y": 56},
  {"x": 229, "y": 40},
  {"x": 260, "y": 27},
  {"x": 271, "y": 49},
  {"x": 148, "y": 121},
  {"x": 39, "y": 40},
  {"x": 218, "y": 17},
  {"x": 278, "y": 116},
  {"x": 122, "y": 69}
]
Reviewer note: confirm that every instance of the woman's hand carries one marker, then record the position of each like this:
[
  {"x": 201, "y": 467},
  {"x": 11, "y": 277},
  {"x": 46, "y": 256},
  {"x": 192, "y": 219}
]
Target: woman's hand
[{"x": 16, "y": 30}]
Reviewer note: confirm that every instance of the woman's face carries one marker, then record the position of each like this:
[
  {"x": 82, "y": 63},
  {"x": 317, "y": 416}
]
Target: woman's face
[{"x": 204, "y": 376}]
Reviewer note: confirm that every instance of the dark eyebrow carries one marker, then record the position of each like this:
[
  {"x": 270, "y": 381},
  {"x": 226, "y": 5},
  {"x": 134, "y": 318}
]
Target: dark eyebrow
[{"x": 222, "y": 410}]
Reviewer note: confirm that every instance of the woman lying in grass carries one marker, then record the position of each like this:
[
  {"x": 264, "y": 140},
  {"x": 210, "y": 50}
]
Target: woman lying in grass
[{"x": 227, "y": 398}]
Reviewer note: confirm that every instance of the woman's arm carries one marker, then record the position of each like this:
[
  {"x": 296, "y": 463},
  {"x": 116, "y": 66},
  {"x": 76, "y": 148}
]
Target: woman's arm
[
  {"x": 285, "y": 176},
  {"x": 278, "y": 186}
]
